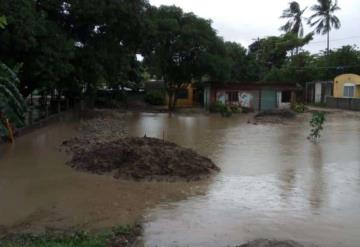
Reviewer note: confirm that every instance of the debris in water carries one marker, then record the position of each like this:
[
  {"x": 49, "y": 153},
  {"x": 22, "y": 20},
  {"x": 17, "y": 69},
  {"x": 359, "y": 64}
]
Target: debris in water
[{"x": 275, "y": 116}]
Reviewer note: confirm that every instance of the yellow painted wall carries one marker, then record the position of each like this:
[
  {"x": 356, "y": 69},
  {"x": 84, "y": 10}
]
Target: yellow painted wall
[
  {"x": 340, "y": 81},
  {"x": 184, "y": 102}
]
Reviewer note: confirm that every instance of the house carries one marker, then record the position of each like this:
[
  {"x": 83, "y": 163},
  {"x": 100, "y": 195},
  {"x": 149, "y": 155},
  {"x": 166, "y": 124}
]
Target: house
[
  {"x": 256, "y": 96},
  {"x": 346, "y": 92},
  {"x": 184, "y": 97},
  {"x": 316, "y": 92},
  {"x": 347, "y": 86}
]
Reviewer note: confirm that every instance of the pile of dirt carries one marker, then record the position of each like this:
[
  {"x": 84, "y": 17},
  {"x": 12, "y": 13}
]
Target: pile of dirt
[
  {"x": 275, "y": 116},
  {"x": 140, "y": 159},
  {"x": 273, "y": 243},
  {"x": 103, "y": 125}
]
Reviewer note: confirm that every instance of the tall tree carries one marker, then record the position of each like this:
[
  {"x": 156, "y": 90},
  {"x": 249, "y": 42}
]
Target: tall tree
[
  {"x": 243, "y": 67},
  {"x": 271, "y": 52},
  {"x": 294, "y": 14},
  {"x": 324, "y": 18},
  {"x": 38, "y": 43},
  {"x": 182, "y": 48}
]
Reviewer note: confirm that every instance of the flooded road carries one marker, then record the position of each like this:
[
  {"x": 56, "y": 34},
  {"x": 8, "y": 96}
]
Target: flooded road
[{"x": 274, "y": 183}]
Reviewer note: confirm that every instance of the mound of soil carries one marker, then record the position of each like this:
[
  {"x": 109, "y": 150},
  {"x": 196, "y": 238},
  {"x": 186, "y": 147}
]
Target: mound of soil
[
  {"x": 273, "y": 243},
  {"x": 275, "y": 116},
  {"x": 141, "y": 159}
]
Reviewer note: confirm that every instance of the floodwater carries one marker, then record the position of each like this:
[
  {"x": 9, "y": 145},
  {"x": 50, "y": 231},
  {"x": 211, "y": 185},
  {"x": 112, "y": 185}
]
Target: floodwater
[{"x": 274, "y": 183}]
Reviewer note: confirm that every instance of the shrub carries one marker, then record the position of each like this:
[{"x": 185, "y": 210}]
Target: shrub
[
  {"x": 317, "y": 121},
  {"x": 236, "y": 109},
  {"x": 298, "y": 107},
  {"x": 155, "y": 98},
  {"x": 226, "y": 112},
  {"x": 217, "y": 107}
]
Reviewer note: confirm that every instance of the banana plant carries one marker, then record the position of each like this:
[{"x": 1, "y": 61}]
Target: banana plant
[{"x": 12, "y": 103}]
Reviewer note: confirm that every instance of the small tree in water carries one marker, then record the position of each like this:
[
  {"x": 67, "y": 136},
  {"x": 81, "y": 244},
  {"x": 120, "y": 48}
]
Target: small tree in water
[{"x": 317, "y": 121}]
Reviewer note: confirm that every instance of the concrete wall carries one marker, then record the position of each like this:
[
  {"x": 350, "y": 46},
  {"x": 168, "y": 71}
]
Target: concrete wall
[
  {"x": 246, "y": 98},
  {"x": 343, "y": 103}
]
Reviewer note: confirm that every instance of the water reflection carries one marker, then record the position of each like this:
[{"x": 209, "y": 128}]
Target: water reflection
[{"x": 274, "y": 183}]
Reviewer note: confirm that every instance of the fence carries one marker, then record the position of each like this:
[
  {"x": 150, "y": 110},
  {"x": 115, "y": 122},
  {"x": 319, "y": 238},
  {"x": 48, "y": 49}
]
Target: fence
[{"x": 343, "y": 103}]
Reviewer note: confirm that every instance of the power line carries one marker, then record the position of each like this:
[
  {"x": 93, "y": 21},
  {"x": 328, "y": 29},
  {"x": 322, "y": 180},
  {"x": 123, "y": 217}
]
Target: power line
[
  {"x": 328, "y": 67},
  {"x": 333, "y": 40}
]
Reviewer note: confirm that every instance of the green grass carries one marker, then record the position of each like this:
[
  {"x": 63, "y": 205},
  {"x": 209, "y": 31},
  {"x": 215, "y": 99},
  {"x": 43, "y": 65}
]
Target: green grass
[{"x": 78, "y": 239}]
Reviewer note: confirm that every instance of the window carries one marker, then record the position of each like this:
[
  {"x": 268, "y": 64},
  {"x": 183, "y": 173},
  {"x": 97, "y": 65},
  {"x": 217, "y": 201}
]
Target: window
[
  {"x": 232, "y": 96},
  {"x": 349, "y": 91}
]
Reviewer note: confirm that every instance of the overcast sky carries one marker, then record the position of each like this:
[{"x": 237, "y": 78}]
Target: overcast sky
[{"x": 245, "y": 20}]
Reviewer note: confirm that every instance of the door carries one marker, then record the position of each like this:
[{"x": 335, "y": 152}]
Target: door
[{"x": 268, "y": 100}]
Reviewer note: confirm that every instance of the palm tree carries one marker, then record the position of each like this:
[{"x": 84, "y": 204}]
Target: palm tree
[
  {"x": 294, "y": 14},
  {"x": 324, "y": 18}
]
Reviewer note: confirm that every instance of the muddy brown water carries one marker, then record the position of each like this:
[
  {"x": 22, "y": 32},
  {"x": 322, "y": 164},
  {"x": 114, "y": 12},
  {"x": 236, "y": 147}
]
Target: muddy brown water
[{"x": 274, "y": 183}]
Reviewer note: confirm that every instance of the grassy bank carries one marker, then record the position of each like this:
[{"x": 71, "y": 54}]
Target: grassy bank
[{"x": 121, "y": 236}]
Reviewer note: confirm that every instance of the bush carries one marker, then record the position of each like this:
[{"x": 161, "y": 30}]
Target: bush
[
  {"x": 236, "y": 109},
  {"x": 298, "y": 107},
  {"x": 217, "y": 107},
  {"x": 155, "y": 98},
  {"x": 317, "y": 121},
  {"x": 226, "y": 112}
]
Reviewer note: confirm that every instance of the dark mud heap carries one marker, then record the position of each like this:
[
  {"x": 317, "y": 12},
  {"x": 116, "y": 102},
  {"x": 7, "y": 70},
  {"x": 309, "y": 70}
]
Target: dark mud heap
[
  {"x": 141, "y": 159},
  {"x": 274, "y": 243},
  {"x": 277, "y": 116}
]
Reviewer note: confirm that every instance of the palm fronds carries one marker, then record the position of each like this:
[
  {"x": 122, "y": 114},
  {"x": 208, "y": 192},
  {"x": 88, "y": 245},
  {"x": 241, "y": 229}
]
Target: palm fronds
[
  {"x": 12, "y": 104},
  {"x": 294, "y": 14}
]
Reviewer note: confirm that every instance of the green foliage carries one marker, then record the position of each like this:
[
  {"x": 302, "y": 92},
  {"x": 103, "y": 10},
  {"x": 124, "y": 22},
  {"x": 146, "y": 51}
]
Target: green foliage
[
  {"x": 271, "y": 53},
  {"x": 73, "y": 46},
  {"x": 3, "y": 22},
  {"x": 155, "y": 97},
  {"x": 324, "y": 18},
  {"x": 317, "y": 121},
  {"x": 226, "y": 112},
  {"x": 12, "y": 104},
  {"x": 182, "y": 48},
  {"x": 217, "y": 107},
  {"x": 241, "y": 65},
  {"x": 236, "y": 109},
  {"x": 76, "y": 239},
  {"x": 298, "y": 107}
]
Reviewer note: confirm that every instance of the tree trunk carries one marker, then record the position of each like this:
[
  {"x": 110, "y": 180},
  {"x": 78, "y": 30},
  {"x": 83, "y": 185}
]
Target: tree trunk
[
  {"x": 328, "y": 43},
  {"x": 174, "y": 100},
  {"x": 170, "y": 98}
]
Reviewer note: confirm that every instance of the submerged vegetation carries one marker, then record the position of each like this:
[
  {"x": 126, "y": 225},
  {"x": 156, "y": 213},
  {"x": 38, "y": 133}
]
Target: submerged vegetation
[{"x": 317, "y": 121}]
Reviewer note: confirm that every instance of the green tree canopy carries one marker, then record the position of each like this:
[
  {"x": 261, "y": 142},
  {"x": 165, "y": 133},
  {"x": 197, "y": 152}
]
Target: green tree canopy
[{"x": 182, "y": 48}]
